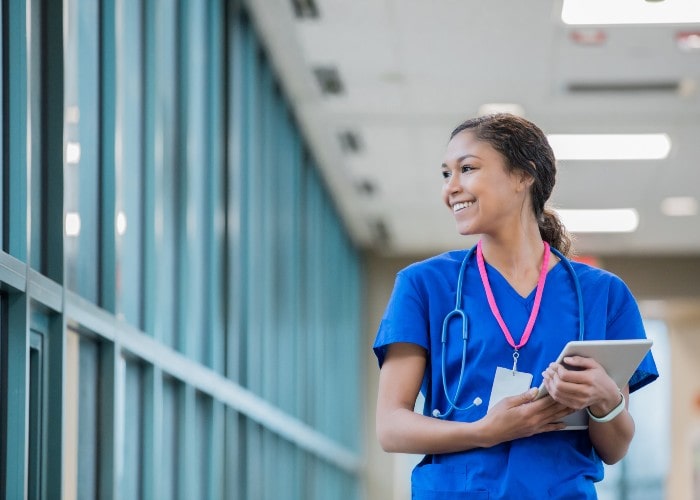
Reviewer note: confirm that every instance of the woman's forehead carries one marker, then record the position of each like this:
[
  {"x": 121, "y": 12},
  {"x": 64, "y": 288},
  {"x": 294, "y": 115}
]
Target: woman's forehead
[{"x": 466, "y": 144}]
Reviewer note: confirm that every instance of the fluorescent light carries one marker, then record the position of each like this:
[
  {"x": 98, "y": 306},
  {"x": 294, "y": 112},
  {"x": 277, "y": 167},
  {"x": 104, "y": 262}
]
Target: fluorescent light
[
  {"x": 617, "y": 220},
  {"x": 72, "y": 224},
  {"x": 610, "y": 146},
  {"x": 630, "y": 12},
  {"x": 121, "y": 223},
  {"x": 679, "y": 206},
  {"x": 73, "y": 153}
]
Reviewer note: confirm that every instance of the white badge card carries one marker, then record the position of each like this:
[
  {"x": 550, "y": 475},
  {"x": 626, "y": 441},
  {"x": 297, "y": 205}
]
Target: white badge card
[{"x": 507, "y": 383}]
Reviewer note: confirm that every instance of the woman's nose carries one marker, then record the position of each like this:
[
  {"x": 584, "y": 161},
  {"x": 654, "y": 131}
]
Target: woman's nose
[{"x": 453, "y": 184}]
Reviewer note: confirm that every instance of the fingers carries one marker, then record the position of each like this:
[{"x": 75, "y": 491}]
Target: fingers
[{"x": 580, "y": 362}]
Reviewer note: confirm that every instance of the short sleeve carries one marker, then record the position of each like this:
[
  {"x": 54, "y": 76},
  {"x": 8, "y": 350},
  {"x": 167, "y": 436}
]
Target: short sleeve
[
  {"x": 625, "y": 322},
  {"x": 405, "y": 318}
]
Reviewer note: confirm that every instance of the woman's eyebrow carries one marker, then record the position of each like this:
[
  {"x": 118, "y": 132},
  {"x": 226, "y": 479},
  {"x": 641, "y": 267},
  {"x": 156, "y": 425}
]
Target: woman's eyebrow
[{"x": 462, "y": 158}]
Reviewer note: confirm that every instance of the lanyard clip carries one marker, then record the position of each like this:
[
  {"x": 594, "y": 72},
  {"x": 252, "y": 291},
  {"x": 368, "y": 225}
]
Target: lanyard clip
[{"x": 516, "y": 355}]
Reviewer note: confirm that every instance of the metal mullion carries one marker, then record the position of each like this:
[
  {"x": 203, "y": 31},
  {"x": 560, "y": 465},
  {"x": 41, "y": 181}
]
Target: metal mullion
[
  {"x": 52, "y": 89},
  {"x": 13, "y": 273}
]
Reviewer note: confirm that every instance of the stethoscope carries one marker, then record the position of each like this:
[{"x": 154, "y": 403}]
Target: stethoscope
[{"x": 458, "y": 312}]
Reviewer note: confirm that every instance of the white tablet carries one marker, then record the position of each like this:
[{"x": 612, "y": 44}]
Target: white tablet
[{"x": 619, "y": 358}]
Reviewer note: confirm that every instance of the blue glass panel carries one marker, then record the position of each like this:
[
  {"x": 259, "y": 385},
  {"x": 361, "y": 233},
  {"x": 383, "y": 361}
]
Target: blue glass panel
[
  {"x": 165, "y": 221},
  {"x": 82, "y": 146},
  {"x": 129, "y": 161},
  {"x": 88, "y": 419},
  {"x": 132, "y": 481}
]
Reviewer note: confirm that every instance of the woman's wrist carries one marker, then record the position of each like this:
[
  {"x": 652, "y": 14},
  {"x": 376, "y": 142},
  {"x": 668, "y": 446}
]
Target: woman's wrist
[{"x": 611, "y": 414}]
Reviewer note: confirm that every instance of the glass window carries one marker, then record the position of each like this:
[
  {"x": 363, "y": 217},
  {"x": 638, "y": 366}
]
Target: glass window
[
  {"x": 195, "y": 172},
  {"x": 170, "y": 480},
  {"x": 81, "y": 454},
  {"x": 132, "y": 461},
  {"x": 129, "y": 161},
  {"x": 3, "y": 70},
  {"x": 642, "y": 473},
  {"x": 81, "y": 129},
  {"x": 3, "y": 385},
  {"x": 165, "y": 175}
]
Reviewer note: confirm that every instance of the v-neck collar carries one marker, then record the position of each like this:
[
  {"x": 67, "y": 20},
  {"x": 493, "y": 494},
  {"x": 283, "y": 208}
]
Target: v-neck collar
[{"x": 503, "y": 283}]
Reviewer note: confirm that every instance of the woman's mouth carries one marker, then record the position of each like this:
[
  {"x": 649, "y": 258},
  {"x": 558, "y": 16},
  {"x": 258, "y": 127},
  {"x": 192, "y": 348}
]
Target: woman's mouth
[{"x": 458, "y": 207}]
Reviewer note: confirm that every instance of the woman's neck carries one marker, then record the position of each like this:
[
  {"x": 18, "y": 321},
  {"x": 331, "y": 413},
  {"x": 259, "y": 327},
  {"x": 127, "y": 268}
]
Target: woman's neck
[{"x": 517, "y": 257}]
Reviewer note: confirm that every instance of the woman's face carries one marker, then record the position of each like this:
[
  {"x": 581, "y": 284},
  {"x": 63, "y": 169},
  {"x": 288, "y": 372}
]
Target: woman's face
[{"x": 482, "y": 195}]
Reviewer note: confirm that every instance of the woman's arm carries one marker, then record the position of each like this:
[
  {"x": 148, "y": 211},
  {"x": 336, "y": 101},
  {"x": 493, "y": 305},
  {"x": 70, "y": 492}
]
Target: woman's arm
[
  {"x": 590, "y": 387},
  {"x": 400, "y": 429}
]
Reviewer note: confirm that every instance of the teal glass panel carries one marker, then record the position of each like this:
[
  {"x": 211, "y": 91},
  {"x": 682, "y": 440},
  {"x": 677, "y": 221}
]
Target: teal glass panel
[
  {"x": 82, "y": 146},
  {"x": 3, "y": 388},
  {"x": 214, "y": 192},
  {"x": 166, "y": 169},
  {"x": 129, "y": 161},
  {"x": 89, "y": 458},
  {"x": 195, "y": 172},
  {"x": 132, "y": 463},
  {"x": 168, "y": 469},
  {"x": 205, "y": 435},
  {"x": 2, "y": 138}
]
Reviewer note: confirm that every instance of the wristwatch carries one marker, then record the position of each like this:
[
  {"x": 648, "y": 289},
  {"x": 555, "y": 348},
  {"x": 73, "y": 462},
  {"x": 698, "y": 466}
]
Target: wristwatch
[{"x": 613, "y": 413}]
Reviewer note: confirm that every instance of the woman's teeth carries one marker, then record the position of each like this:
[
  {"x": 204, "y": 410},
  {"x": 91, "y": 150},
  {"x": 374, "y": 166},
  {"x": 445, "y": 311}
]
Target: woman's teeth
[{"x": 459, "y": 206}]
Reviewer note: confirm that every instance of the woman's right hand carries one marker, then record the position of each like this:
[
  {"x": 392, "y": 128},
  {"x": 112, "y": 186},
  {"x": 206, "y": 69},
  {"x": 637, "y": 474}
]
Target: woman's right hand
[{"x": 522, "y": 416}]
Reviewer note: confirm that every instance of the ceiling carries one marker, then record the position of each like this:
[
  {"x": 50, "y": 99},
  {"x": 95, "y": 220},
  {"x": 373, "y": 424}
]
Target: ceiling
[{"x": 413, "y": 69}]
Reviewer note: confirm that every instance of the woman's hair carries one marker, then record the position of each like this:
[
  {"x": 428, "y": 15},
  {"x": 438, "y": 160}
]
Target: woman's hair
[{"x": 525, "y": 147}]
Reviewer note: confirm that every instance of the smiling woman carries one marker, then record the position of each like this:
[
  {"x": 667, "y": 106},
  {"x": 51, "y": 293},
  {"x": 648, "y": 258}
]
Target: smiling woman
[{"x": 518, "y": 301}]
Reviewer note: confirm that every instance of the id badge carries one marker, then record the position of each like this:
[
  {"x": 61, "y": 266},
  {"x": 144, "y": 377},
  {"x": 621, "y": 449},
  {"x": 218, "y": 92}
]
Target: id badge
[{"x": 508, "y": 382}]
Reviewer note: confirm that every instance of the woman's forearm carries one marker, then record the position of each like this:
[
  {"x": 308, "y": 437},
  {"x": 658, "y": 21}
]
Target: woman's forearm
[
  {"x": 404, "y": 431},
  {"x": 612, "y": 439}
]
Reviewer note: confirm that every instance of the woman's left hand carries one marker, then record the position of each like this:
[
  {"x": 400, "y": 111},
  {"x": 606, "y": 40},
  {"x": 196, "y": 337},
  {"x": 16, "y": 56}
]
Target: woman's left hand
[{"x": 580, "y": 383}]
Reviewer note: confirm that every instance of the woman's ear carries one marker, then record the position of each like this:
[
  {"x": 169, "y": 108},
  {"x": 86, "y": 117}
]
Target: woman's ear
[{"x": 525, "y": 179}]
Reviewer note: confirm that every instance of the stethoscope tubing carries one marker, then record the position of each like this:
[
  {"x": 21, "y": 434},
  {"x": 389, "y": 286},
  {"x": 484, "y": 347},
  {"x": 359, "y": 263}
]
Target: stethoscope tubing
[{"x": 458, "y": 311}]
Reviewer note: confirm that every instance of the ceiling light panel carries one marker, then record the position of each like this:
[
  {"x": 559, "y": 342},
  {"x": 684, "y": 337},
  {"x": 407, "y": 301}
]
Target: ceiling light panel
[
  {"x": 630, "y": 12},
  {"x": 610, "y": 146},
  {"x": 617, "y": 220},
  {"x": 679, "y": 206}
]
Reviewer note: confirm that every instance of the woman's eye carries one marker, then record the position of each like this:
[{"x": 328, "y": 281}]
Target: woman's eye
[
  {"x": 466, "y": 168},
  {"x": 445, "y": 174}
]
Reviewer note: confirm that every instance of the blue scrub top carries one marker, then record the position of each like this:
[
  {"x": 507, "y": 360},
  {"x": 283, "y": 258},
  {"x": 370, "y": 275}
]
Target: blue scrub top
[{"x": 557, "y": 464}]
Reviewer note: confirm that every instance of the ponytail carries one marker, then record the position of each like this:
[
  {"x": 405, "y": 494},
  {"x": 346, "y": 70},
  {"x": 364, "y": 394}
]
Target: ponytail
[{"x": 554, "y": 232}]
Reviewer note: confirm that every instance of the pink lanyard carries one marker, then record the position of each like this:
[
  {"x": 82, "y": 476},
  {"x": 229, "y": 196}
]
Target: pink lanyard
[{"x": 497, "y": 313}]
